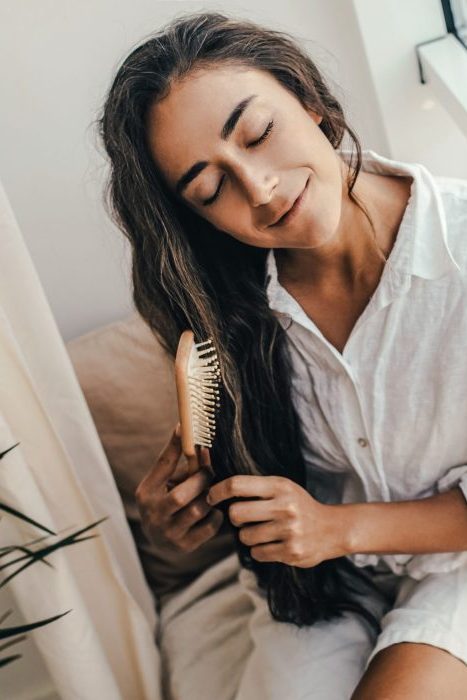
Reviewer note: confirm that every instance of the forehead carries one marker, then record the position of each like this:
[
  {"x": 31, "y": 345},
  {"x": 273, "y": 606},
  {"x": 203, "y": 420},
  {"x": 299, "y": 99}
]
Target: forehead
[{"x": 184, "y": 126}]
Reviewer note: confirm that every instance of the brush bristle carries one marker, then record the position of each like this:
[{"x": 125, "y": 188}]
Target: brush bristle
[{"x": 204, "y": 381}]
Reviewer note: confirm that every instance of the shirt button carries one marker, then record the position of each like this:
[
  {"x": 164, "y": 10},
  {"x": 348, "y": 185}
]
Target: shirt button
[{"x": 362, "y": 442}]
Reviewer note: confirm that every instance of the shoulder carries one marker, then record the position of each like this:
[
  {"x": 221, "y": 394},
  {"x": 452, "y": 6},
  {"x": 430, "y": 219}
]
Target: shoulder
[
  {"x": 453, "y": 195},
  {"x": 451, "y": 186}
]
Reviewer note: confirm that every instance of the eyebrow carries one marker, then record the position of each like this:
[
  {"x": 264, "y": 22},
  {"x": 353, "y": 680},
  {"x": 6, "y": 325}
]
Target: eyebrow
[{"x": 225, "y": 132}]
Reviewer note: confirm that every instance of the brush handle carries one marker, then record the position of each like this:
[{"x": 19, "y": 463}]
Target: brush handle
[{"x": 185, "y": 345}]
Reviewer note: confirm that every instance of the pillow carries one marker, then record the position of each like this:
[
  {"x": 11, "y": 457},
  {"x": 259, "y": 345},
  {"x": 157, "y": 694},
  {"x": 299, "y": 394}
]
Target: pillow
[{"x": 128, "y": 381}]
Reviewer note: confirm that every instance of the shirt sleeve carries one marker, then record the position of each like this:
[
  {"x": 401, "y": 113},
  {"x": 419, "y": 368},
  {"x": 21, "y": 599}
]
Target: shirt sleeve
[
  {"x": 457, "y": 476},
  {"x": 418, "y": 566}
]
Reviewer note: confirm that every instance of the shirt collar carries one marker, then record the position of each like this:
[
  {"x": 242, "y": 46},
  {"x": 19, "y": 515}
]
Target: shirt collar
[{"x": 421, "y": 247}]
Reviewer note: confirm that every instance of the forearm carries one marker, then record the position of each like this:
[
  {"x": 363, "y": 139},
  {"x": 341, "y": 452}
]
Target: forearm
[{"x": 428, "y": 525}]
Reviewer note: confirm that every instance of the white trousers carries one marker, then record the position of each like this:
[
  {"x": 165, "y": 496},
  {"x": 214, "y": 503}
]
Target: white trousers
[{"x": 218, "y": 640}]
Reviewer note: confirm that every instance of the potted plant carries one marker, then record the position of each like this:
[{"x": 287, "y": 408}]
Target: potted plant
[{"x": 20, "y": 557}]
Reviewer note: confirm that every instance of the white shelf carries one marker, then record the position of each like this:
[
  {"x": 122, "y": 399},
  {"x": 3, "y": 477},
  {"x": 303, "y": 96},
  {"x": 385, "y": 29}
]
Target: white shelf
[{"x": 444, "y": 64}]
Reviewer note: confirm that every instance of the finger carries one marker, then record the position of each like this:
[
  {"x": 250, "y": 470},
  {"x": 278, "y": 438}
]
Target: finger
[
  {"x": 205, "y": 459},
  {"x": 201, "y": 458},
  {"x": 273, "y": 551},
  {"x": 183, "y": 469},
  {"x": 242, "y": 485},
  {"x": 188, "y": 516},
  {"x": 262, "y": 510},
  {"x": 166, "y": 462},
  {"x": 204, "y": 530},
  {"x": 184, "y": 493},
  {"x": 193, "y": 461},
  {"x": 261, "y": 534}
]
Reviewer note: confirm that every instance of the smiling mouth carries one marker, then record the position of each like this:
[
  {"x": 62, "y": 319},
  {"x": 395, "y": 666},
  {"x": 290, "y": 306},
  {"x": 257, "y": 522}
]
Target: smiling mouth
[{"x": 290, "y": 213}]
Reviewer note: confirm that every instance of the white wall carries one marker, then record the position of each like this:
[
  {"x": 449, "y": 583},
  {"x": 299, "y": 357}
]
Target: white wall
[
  {"x": 57, "y": 58},
  {"x": 415, "y": 124}
]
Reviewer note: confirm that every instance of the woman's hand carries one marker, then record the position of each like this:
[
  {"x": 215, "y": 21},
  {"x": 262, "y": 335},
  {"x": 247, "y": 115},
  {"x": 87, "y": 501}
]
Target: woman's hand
[
  {"x": 291, "y": 526},
  {"x": 172, "y": 503}
]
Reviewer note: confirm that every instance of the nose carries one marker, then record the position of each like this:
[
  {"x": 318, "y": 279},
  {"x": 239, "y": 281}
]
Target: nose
[
  {"x": 263, "y": 194},
  {"x": 258, "y": 186}
]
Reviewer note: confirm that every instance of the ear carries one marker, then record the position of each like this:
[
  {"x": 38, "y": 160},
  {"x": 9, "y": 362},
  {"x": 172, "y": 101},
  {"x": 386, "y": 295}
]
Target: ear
[{"x": 317, "y": 118}]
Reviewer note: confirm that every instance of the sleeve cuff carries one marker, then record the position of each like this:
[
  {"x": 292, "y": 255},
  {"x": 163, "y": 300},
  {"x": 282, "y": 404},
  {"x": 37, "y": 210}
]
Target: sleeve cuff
[
  {"x": 418, "y": 566},
  {"x": 457, "y": 476},
  {"x": 423, "y": 564}
]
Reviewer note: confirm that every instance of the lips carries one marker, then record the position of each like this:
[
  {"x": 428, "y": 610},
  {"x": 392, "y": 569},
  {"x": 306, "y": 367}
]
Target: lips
[{"x": 290, "y": 209}]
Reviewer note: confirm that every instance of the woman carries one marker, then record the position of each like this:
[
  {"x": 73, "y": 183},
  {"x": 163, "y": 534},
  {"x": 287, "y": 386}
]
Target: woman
[{"x": 337, "y": 307}]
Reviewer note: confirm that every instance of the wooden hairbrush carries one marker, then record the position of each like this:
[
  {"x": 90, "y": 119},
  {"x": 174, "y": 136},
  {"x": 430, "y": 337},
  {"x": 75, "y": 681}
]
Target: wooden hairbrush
[{"x": 197, "y": 379}]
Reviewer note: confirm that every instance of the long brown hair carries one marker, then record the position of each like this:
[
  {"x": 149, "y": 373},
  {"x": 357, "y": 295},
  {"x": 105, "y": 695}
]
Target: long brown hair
[{"x": 188, "y": 274}]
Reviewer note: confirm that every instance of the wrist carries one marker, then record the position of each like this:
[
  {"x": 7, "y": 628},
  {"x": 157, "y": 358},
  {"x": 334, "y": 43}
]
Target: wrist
[
  {"x": 352, "y": 528},
  {"x": 421, "y": 526}
]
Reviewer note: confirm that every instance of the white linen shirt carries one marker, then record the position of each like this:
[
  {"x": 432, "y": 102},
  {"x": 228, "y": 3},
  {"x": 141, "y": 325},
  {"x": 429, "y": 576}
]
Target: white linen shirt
[{"x": 386, "y": 420}]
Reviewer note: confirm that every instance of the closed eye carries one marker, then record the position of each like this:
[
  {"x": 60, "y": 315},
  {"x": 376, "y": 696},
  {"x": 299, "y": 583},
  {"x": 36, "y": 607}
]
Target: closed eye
[{"x": 263, "y": 136}]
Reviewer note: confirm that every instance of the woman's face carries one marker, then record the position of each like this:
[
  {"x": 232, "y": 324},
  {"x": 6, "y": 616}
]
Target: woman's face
[{"x": 242, "y": 167}]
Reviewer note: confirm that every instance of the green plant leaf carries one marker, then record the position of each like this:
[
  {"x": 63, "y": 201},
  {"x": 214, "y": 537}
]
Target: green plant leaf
[
  {"x": 5, "y": 615},
  {"x": 28, "y": 553},
  {"x": 2, "y": 454},
  {"x": 9, "y": 659},
  {"x": 17, "y": 514},
  {"x": 12, "y": 642},
  {"x": 32, "y": 556},
  {"x": 45, "y": 551},
  {"x": 7, "y": 632},
  {"x": 11, "y": 547}
]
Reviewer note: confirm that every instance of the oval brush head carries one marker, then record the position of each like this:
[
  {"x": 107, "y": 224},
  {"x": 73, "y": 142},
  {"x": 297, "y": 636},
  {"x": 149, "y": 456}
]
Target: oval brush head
[{"x": 197, "y": 378}]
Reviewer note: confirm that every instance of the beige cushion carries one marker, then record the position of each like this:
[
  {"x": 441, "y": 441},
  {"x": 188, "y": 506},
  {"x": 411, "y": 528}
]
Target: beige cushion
[{"x": 127, "y": 380}]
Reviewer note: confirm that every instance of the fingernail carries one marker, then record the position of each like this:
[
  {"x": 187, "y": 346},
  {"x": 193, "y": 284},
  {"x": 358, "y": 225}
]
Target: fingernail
[
  {"x": 178, "y": 430},
  {"x": 208, "y": 498}
]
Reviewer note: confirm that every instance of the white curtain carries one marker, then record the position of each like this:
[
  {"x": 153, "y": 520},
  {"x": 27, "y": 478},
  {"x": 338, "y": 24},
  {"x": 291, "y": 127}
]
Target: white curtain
[{"x": 59, "y": 475}]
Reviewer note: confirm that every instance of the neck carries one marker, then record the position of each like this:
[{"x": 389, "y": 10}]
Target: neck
[{"x": 355, "y": 255}]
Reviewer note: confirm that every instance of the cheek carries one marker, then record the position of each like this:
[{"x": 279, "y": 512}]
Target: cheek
[
  {"x": 241, "y": 228},
  {"x": 327, "y": 201},
  {"x": 332, "y": 201},
  {"x": 234, "y": 217},
  {"x": 322, "y": 212}
]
